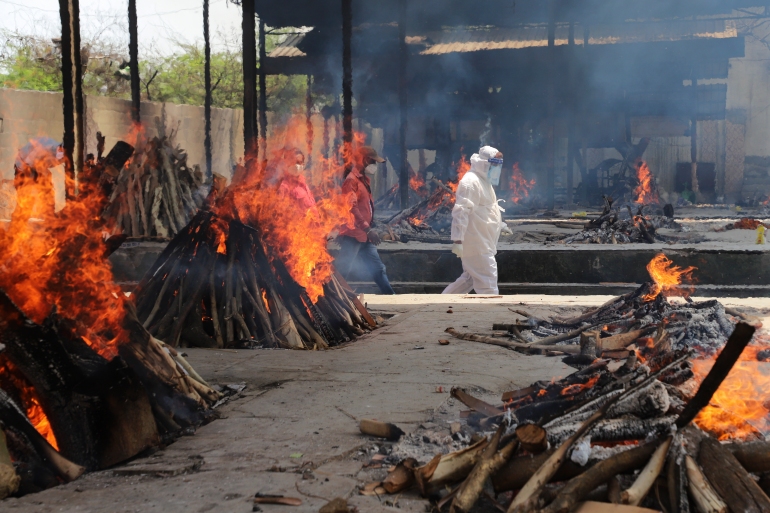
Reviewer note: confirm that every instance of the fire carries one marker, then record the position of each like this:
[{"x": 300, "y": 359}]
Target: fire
[
  {"x": 668, "y": 277},
  {"x": 264, "y": 300},
  {"x": 295, "y": 235},
  {"x": 58, "y": 263},
  {"x": 518, "y": 185},
  {"x": 417, "y": 184},
  {"x": 28, "y": 400},
  {"x": 645, "y": 193},
  {"x": 579, "y": 387},
  {"x": 738, "y": 409}
]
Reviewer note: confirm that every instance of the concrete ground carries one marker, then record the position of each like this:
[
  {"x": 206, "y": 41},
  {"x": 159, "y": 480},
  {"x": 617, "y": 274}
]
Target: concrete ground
[{"x": 293, "y": 431}]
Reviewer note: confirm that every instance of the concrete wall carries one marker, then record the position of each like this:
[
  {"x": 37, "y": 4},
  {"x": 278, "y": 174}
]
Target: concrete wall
[{"x": 29, "y": 114}]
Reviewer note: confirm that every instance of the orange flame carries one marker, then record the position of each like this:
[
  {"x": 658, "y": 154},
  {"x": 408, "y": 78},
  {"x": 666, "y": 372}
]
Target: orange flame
[
  {"x": 576, "y": 388},
  {"x": 645, "y": 194},
  {"x": 518, "y": 185},
  {"x": 738, "y": 408},
  {"x": 29, "y": 401},
  {"x": 417, "y": 184},
  {"x": 294, "y": 234},
  {"x": 59, "y": 262},
  {"x": 264, "y": 299},
  {"x": 668, "y": 277}
]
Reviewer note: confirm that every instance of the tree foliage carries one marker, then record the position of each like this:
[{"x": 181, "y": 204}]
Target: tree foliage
[{"x": 35, "y": 64}]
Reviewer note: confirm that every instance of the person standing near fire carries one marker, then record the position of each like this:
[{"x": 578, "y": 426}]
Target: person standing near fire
[
  {"x": 359, "y": 242},
  {"x": 293, "y": 184},
  {"x": 477, "y": 223}
]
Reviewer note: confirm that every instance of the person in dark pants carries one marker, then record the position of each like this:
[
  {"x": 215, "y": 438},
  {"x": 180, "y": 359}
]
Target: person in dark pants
[{"x": 360, "y": 241}]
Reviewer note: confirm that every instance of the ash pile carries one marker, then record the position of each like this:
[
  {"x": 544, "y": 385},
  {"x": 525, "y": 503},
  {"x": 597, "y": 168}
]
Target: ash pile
[
  {"x": 617, "y": 225},
  {"x": 641, "y": 424}
]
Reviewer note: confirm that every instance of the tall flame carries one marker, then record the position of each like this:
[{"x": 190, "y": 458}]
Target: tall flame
[
  {"x": 645, "y": 192},
  {"x": 738, "y": 408},
  {"x": 518, "y": 185},
  {"x": 668, "y": 277},
  {"x": 295, "y": 235},
  {"x": 59, "y": 262}
]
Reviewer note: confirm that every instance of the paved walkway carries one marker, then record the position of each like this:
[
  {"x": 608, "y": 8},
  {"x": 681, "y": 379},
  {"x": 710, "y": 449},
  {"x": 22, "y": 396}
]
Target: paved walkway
[{"x": 298, "y": 412}]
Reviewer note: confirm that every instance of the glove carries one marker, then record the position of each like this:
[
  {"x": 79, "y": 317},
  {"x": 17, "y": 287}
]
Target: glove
[{"x": 457, "y": 249}]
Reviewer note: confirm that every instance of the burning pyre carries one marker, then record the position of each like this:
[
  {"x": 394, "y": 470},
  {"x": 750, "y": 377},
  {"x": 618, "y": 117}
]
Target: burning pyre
[
  {"x": 253, "y": 267},
  {"x": 649, "y": 368},
  {"x": 616, "y": 225},
  {"x": 83, "y": 385}
]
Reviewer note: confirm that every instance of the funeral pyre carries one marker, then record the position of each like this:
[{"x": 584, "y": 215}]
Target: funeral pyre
[
  {"x": 83, "y": 386},
  {"x": 640, "y": 424},
  {"x": 157, "y": 193},
  {"x": 616, "y": 225},
  {"x": 252, "y": 268}
]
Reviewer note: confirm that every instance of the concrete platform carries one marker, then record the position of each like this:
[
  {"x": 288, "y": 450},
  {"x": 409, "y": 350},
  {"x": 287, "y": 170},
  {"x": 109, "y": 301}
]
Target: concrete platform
[{"x": 299, "y": 408}]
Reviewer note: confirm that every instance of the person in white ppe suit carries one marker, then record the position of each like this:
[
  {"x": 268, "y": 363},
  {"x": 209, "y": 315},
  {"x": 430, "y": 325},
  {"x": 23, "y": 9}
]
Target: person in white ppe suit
[{"x": 476, "y": 224}]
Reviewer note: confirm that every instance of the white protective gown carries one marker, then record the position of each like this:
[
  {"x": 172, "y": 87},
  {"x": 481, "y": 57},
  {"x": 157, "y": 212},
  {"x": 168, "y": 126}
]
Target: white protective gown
[{"x": 476, "y": 221}]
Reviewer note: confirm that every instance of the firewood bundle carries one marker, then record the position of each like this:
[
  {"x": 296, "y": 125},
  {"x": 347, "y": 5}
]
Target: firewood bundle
[
  {"x": 96, "y": 411},
  {"x": 617, "y": 226},
  {"x": 217, "y": 285},
  {"x": 622, "y": 436},
  {"x": 427, "y": 221},
  {"x": 392, "y": 198},
  {"x": 157, "y": 194}
]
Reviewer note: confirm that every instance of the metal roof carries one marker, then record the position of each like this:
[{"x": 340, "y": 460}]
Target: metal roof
[
  {"x": 532, "y": 36},
  {"x": 491, "y": 38}
]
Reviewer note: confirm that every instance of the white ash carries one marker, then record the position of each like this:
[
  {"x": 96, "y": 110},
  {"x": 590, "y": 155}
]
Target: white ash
[
  {"x": 424, "y": 445},
  {"x": 582, "y": 451}
]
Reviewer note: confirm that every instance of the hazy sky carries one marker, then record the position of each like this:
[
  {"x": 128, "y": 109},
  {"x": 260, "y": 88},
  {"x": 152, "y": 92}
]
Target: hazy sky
[{"x": 160, "y": 22}]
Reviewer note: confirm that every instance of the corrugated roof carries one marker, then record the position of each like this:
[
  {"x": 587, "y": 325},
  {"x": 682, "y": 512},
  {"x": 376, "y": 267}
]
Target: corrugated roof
[
  {"x": 289, "y": 47},
  {"x": 531, "y": 36},
  {"x": 492, "y": 38}
]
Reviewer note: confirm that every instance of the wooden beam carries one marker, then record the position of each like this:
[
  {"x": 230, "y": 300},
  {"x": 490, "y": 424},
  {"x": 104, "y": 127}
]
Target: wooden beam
[
  {"x": 403, "y": 56},
  {"x": 262, "y": 91},
  {"x": 249, "y": 80},
  {"x": 207, "y": 86},
  {"x": 133, "y": 58},
  {"x": 347, "y": 83}
]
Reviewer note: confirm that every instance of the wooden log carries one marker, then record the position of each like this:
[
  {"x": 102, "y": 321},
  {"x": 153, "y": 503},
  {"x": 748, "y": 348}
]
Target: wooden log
[
  {"x": 643, "y": 483},
  {"x": 490, "y": 462},
  {"x": 449, "y": 468},
  {"x": 214, "y": 312},
  {"x": 532, "y": 437},
  {"x": 731, "y": 481},
  {"x": 706, "y": 498},
  {"x": 622, "y": 340},
  {"x": 474, "y": 403},
  {"x": 507, "y": 344},
  {"x": 555, "y": 339},
  {"x": 579, "y": 487},
  {"x": 401, "y": 478},
  {"x": 9, "y": 479},
  {"x": 13, "y": 418},
  {"x": 753, "y": 456},
  {"x": 380, "y": 429},
  {"x": 518, "y": 470}
]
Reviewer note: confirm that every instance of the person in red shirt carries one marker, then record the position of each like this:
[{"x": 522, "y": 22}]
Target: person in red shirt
[{"x": 360, "y": 241}]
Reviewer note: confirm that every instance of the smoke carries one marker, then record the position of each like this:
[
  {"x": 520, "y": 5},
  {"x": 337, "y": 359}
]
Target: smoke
[{"x": 484, "y": 136}]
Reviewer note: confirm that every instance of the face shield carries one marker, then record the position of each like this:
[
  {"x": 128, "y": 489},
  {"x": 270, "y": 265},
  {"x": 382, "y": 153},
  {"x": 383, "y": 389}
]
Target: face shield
[{"x": 495, "y": 170}]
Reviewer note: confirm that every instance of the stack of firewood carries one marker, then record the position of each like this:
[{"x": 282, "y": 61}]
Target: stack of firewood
[
  {"x": 427, "y": 221},
  {"x": 157, "y": 193},
  {"x": 217, "y": 285},
  {"x": 622, "y": 226},
  {"x": 622, "y": 436}
]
